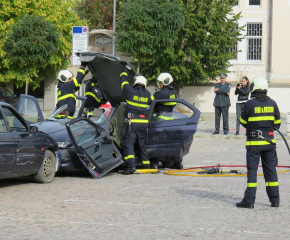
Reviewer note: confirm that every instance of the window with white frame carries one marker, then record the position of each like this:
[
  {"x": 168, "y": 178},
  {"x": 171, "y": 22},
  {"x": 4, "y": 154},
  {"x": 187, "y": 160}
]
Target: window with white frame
[
  {"x": 254, "y": 39},
  {"x": 254, "y": 2}
]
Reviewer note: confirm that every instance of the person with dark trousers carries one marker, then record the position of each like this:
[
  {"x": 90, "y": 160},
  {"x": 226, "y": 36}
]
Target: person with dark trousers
[
  {"x": 137, "y": 98},
  {"x": 67, "y": 87},
  {"x": 243, "y": 91},
  {"x": 260, "y": 116},
  {"x": 94, "y": 97},
  {"x": 166, "y": 91},
  {"x": 222, "y": 104}
]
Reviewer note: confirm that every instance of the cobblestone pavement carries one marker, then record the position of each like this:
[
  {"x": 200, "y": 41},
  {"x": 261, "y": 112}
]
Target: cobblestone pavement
[{"x": 148, "y": 206}]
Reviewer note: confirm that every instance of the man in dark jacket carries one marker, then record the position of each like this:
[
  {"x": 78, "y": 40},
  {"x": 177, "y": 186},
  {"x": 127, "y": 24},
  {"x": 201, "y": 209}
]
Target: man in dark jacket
[
  {"x": 222, "y": 104},
  {"x": 260, "y": 116},
  {"x": 94, "y": 97},
  {"x": 67, "y": 87},
  {"x": 137, "y": 98},
  {"x": 166, "y": 91}
]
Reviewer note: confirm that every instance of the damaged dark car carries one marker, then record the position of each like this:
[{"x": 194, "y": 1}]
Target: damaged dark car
[{"x": 97, "y": 143}]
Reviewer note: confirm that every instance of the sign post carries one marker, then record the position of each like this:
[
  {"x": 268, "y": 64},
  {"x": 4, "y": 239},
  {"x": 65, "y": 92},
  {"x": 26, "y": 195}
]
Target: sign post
[{"x": 80, "y": 40}]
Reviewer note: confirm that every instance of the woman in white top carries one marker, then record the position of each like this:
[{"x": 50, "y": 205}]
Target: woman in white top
[{"x": 243, "y": 90}]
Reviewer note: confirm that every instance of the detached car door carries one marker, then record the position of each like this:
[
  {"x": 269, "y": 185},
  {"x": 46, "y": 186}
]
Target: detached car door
[
  {"x": 94, "y": 147},
  {"x": 172, "y": 132}
]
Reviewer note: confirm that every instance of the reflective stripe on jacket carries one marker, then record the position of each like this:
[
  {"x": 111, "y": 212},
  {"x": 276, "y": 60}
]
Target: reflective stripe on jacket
[
  {"x": 262, "y": 116},
  {"x": 167, "y": 92},
  {"x": 66, "y": 92},
  {"x": 137, "y": 98}
]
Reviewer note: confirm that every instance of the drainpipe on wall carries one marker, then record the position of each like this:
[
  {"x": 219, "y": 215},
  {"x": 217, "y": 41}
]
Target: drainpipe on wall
[{"x": 269, "y": 40}]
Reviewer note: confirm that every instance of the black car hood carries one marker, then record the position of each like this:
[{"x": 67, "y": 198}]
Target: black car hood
[
  {"x": 107, "y": 69},
  {"x": 54, "y": 129}
]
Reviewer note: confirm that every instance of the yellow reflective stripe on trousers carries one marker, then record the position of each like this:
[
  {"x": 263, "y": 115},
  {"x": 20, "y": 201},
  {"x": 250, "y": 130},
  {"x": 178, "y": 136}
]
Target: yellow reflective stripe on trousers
[
  {"x": 139, "y": 121},
  {"x": 93, "y": 95},
  {"x": 277, "y": 121},
  {"x": 82, "y": 71},
  {"x": 165, "y": 118},
  {"x": 137, "y": 104},
  {"x": 251, "y": 184},
  {"x": 66, "y": 96},
  {"x": 62, "y": 115},
  {"x": 243, "y": 121},
  {"x": 263, "y": 118},
  {"x": 256, "y": 143},
  {"x": 76, "y": 82},
  {"x": 122, "y": 85},
  {"x": 129, "y": 156},
  {"x": 168, "y": 103},
  {"x": 152, "y": 98},
  {"x": 145, "y": 162},
  {"x": 272, "y": 184}
]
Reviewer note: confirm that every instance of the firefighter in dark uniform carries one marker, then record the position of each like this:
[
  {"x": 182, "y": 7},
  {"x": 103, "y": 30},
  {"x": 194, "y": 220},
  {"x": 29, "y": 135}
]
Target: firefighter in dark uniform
[
  {"x": 222, "y": 103},
  {"x": 94, "y": 97},
  {"x": 166, "y": 91},
  {"x": 67, "y": 87},
  {"x": 137, "y": 98},
  {"x": 260, "y": 116}
]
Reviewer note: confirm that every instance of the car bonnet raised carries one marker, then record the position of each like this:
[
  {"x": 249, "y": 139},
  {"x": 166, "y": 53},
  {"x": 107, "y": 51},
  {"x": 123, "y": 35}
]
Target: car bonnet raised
[{"x": 107, "y": 69}]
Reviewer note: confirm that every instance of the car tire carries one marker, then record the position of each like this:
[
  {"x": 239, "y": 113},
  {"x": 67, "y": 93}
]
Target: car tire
[
  {"x": 168, "y": 163},
  {"x": 46, "y": 172}
]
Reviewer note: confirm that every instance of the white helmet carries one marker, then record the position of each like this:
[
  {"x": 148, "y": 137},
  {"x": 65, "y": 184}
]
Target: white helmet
[
  {"x": 141, "y": 80},
  {"x": 165, "y": 78},
  {"x": 258, "y": 83},
  {"x": 64, "y": 75}
]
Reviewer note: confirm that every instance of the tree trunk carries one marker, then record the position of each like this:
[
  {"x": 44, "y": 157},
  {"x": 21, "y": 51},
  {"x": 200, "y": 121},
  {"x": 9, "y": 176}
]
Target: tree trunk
[
  {"x": 138, "y": 68},
  {"x": 26, "y": 86}
]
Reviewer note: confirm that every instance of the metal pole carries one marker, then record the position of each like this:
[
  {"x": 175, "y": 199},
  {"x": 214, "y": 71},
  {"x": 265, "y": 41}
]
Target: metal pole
[
  {"x": 269, "y": 41},
  {"x": 114, "y": 28}
]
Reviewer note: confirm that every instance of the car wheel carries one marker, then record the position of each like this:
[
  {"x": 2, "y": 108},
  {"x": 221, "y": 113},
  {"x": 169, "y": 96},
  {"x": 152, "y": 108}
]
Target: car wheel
[
  {"x": 167, "y": 163},
  {"x": 46, "y": 172}
]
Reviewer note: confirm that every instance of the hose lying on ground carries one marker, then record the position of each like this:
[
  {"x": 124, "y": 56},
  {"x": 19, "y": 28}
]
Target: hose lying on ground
[{"x": 197, "y": 169}]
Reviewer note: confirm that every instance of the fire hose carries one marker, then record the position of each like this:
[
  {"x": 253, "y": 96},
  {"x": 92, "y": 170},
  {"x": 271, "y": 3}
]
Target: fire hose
[{"x": 210, "y": 170}]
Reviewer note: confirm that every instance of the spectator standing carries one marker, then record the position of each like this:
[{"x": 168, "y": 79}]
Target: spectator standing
[
  {"x": 243, "y": 91},
  {"x": 222, "y": 103}
]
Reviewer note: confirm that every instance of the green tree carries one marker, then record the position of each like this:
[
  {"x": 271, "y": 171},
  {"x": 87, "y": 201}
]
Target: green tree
[
  {"x": 146, "y": 28},
  {"x": 59, "y": 12},
  {"x": 202, "y": 49},
  {"x": 33, "y": 42},
  {"x": 97, "y": 11}
]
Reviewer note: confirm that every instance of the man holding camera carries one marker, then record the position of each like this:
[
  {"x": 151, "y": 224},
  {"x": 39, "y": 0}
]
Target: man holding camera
[{"x": 222, "y": 103}]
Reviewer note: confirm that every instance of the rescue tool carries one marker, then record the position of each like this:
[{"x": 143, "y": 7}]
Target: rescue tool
[{"x": 218, "y": 169}]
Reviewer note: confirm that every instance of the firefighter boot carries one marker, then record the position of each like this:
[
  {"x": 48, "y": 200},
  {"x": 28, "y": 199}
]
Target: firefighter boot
[
  {"x": 274, "y": 204},
  {"x": 129, "y": 170},
  {"x": 243, "y": 204}
]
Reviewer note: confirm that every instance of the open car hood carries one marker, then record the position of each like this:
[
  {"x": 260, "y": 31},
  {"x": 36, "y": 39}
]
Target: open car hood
[{"x": 107, "y": 69}]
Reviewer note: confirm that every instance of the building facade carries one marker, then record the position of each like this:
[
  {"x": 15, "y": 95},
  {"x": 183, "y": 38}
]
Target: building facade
[{"x": 265, "y": 49}]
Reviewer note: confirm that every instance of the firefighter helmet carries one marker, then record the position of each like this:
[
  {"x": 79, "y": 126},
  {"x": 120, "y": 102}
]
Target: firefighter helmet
[
  {"x": 140, "y": 80},
  {"x": 165, "y": 78},
  {"x": 258, "y": 83},
  {"x": 64, "y": 75}
]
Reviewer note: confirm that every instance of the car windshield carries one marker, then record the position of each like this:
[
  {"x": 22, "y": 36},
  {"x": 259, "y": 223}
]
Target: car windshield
[{"x": 53, "y": 116}]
